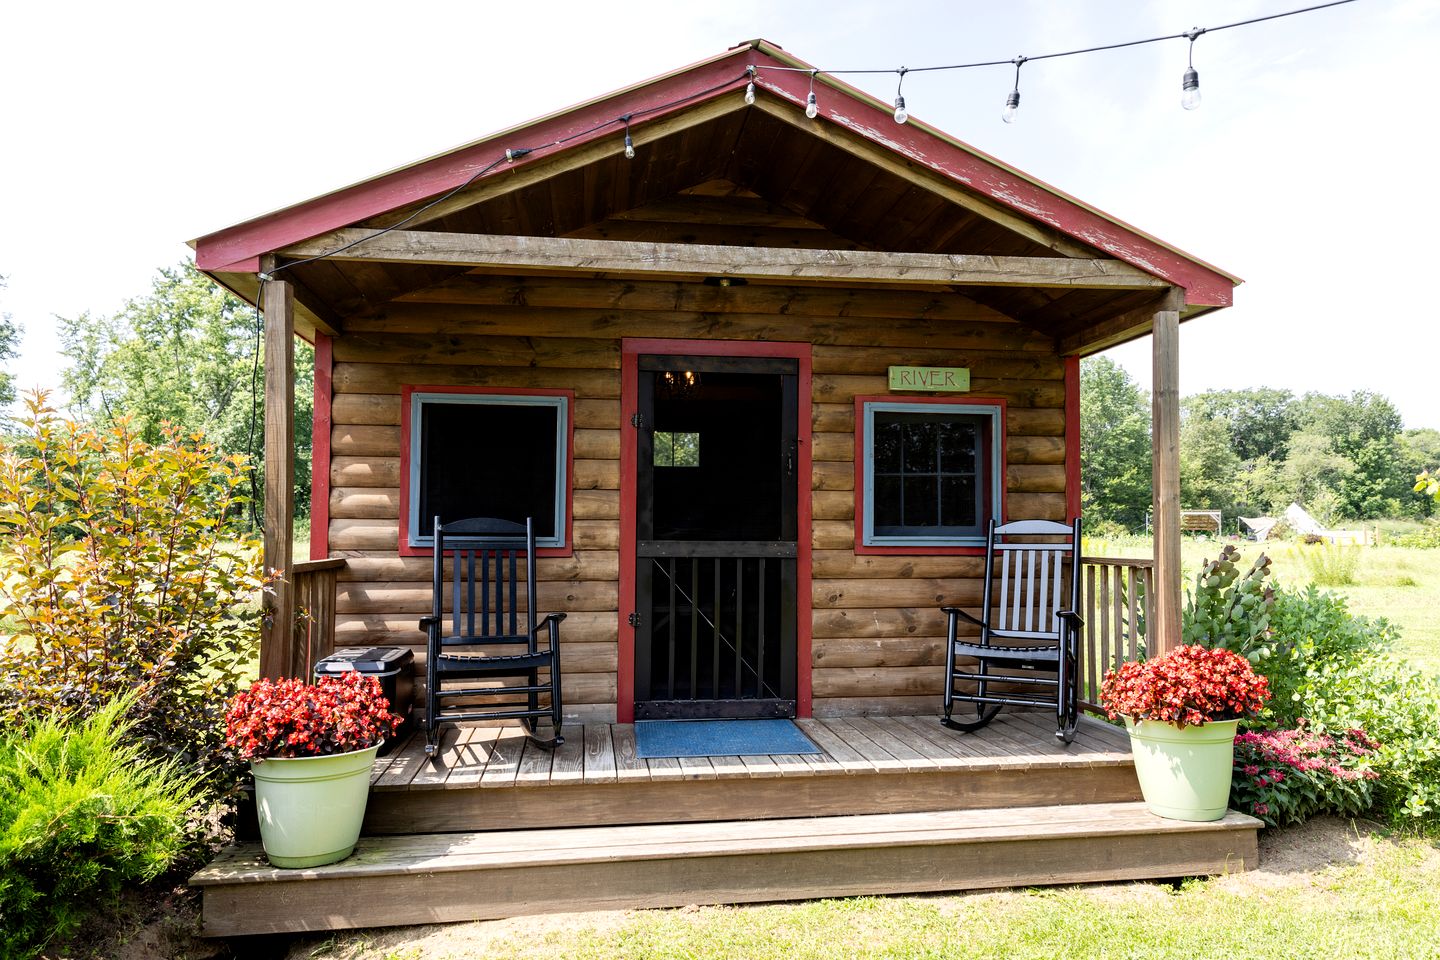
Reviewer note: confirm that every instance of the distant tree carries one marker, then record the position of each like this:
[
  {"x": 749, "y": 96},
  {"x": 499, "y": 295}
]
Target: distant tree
[
  {"x": 183, "y": 354},
  {"x": 1364, "y": 430},
  {"x": 9, "y": 349},
  {"x": 1115, "y": 454},
  {"x": 1209, "y": 468},
  {"x": 1259, "y": 421}
]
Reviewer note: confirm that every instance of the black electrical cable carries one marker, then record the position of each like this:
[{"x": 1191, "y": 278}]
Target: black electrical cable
[{"x": 1189, "y": 34}]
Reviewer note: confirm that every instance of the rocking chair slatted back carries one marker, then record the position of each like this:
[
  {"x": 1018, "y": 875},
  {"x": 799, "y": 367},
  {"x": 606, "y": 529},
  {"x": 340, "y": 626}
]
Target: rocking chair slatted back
[
  {"x": 1030, "y": 640},
  {"x": 485, "y": 608}
]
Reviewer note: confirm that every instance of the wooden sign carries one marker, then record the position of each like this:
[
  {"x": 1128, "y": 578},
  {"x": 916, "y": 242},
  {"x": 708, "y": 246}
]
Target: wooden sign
[{"x": 935, "y": 379}]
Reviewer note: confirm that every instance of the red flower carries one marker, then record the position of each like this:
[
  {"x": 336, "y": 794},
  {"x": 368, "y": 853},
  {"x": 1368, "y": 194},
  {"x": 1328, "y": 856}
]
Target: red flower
[
  {"x": 291, "y": 718},
  {"x": 1188, "y": 686}
]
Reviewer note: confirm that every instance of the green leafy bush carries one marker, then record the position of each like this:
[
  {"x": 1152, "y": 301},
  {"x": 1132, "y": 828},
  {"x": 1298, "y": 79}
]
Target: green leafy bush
[
  {"x": 1399, "y": 706},
  {"x": 120, "y": 573},
  {"x": 1312, "y": 628},
  {"x": 1427, "y": 537},
  {"x": 1228, "y": 611},
  {"x": 83, "y": 813}
]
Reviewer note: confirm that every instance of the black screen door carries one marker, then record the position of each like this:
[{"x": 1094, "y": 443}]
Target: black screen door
[{"x": 716, "y": 499}]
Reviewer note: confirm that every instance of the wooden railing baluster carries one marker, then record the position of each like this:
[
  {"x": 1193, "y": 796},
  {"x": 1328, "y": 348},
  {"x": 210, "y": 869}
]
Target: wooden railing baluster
[
  {"x": 313, "y": 636},
  {"x": 1116, "y": 593}
]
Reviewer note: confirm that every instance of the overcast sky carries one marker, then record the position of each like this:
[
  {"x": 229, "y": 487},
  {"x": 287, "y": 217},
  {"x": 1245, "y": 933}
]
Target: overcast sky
[{"x": 1309, "y": 170}]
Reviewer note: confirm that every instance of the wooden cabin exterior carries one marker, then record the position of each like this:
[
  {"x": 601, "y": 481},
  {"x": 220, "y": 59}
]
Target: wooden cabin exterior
[{"x": 784, "y": 289}]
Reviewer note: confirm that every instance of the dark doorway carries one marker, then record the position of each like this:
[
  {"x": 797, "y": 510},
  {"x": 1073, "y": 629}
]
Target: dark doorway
[{"x": 716, "y": 537}]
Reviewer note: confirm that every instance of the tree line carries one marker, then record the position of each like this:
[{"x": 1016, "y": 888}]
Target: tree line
[{"x": 1252, "y": 453}]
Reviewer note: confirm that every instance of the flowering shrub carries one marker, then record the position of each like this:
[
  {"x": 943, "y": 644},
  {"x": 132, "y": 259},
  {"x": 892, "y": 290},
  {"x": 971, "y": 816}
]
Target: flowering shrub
[
  {"x": 292, "y": 718},
  {"x": 1187, "y": 686},
  {"x": 1288, "y": 776}
]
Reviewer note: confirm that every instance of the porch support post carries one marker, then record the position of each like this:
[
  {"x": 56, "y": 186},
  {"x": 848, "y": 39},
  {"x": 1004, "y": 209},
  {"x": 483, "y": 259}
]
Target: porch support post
[
  {"x": 1164, "y": 633},
  {"x": 278, "y": 626}
]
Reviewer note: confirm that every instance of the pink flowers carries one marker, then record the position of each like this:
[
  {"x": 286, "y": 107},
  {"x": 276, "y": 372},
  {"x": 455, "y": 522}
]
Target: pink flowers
[
  {"x": 1286, "y": 776},
  {"x": 291, "y": 718},
  {"x": 1188, "y": 686}
]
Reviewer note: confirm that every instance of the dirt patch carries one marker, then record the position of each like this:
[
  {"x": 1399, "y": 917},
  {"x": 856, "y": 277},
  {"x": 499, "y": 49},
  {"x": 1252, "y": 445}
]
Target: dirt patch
[{"x": 449, "y": 941}]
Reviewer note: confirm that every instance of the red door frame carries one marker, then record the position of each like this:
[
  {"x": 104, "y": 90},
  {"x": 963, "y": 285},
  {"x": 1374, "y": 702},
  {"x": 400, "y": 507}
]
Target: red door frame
[{"x": 631, "y": 350}]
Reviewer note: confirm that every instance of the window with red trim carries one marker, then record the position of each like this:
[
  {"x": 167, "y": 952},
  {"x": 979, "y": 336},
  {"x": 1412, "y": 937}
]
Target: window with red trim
[{"x": 488, "y": 455}]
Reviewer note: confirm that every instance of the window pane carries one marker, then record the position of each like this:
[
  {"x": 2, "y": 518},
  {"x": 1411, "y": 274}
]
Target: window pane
[
  {"x": 489, "y": 460},
  {"x": 886, "y": 443},
  {"x": 887, "y": 502},
  {"x": 676, "y": 449},
  {"x": 958, "y": 446},
  {"x": 959, "y": 505},
  {"x": 921, "y": 508},
  {"x": 919, "y": 454}
]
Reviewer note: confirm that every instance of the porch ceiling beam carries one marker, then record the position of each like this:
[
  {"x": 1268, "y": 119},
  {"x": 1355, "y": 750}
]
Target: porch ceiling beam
[
  {"x": 600, "y": 258},
  {"x": 1104, "y": 334}
]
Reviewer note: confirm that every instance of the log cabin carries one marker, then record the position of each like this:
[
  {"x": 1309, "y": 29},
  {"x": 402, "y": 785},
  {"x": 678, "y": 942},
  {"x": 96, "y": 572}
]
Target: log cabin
[{"x": 688, "y": 328}]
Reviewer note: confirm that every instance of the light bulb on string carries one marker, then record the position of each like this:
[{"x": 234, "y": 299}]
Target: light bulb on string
[
  {"x": 629, "y": 144},
  {"x": 812, "y": 109},
  {"x": 750, "y": 87},
  {"x": 901, "y": 114},
  {"x": 1190, "y": 82},
  {"x": 1012, "y": 102}
]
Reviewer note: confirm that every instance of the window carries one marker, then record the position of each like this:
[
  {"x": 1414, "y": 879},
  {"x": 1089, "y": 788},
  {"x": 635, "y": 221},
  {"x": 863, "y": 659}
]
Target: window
[
  {"x": 488, "y": 455},
  {"x": 677, "y": 449},
  {"x": 931, "y": 472}
]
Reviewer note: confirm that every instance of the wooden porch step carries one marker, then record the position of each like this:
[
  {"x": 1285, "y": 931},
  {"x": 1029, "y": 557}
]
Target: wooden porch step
[{"x": 436, "y": 878}]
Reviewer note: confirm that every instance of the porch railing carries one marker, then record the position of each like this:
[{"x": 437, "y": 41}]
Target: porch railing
[
  {"x": 314, "y": 635},
  {"x": 1115, "y": 595}
]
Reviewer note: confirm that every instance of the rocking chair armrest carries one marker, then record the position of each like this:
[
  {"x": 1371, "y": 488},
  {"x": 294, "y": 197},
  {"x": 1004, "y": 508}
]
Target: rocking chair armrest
[
  {"x": 956, "y": 611},
  {"x": 1071, "y": 618},
  {"x": 549, "y": 618},
  {"x": 427, "y": 622}
]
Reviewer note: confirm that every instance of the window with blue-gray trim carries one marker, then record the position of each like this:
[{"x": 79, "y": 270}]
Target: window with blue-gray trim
[
  {"x": 488, "y": 455},
  {"x": 931, "y": 473}
]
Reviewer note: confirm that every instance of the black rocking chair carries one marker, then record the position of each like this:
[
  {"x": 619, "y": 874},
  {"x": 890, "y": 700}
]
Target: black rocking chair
[
  {"x": 1035, "y": 636},
  {"x": 484, "y": 613}
]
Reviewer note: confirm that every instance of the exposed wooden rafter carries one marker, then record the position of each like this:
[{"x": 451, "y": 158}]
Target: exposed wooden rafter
[
  {"x": 891, "y": 162},
  {"x": 561, "y": 256}
]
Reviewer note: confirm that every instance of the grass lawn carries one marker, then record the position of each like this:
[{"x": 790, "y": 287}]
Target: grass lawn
[
  {"x": 1399, "y": 584},
  {"x": 1323, "y": 891}
]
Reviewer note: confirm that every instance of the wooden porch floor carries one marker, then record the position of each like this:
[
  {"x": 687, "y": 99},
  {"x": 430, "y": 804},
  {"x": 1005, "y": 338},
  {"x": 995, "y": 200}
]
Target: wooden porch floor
[
  {"x": 595, "y": 753},
  {"x": 495, "y": 778}
]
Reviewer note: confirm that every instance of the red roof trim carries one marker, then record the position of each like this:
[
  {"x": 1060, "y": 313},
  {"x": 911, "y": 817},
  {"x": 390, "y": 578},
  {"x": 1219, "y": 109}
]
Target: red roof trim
[{"x": 840, "y": 103}]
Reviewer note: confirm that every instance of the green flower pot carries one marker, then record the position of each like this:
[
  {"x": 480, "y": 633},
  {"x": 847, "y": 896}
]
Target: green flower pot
[
  {"x": 310, "y": 808},
  {"x": 1184, "y": 772}
]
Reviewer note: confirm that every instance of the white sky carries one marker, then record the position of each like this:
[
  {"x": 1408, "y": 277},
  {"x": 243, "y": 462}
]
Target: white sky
[{"x": 1310, "y": 169}]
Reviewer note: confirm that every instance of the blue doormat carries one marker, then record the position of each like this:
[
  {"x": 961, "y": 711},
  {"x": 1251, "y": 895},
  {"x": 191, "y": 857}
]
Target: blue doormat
[{"x": 719, "y": 738}]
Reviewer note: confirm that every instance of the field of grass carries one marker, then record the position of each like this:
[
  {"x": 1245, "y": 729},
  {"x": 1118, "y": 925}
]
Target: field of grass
[{"x": 1399, "y": 584}]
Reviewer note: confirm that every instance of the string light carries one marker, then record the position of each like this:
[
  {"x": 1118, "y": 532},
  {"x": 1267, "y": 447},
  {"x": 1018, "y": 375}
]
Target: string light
[
  {"x": 750, "y": 87},
  {"x": 1012, "y": 102},
  {"x": 1190, "y": 82},
  {"x": 629, "y": 144}
]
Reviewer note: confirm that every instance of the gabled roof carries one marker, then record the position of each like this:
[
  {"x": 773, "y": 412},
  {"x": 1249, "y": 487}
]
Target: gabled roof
[{"x": 952, "y": 198}]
